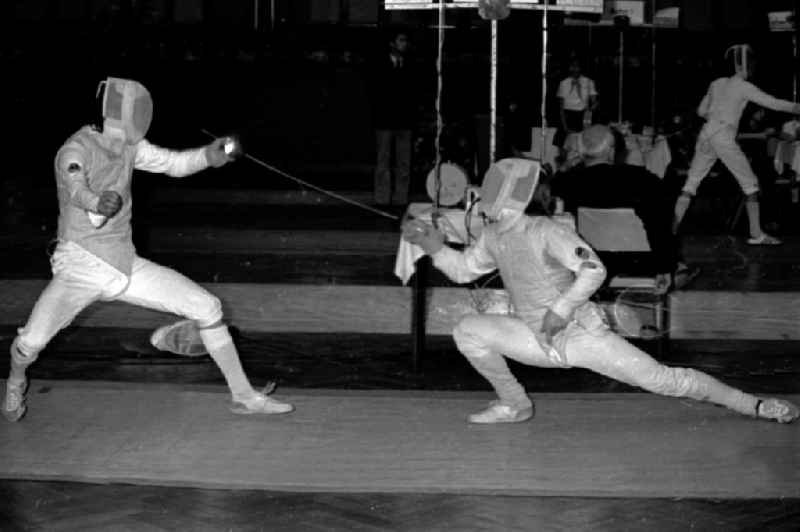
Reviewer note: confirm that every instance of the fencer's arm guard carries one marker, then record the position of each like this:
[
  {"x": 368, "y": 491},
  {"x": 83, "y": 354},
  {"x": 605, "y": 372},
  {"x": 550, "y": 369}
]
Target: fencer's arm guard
[
  {"x": 566, "y": 247},
  {"x": 71, "y": 169},
  {"x": 156, "y": 159},
  {"x": 756, "y": 95},
  {"x": 463, "y": 267}
]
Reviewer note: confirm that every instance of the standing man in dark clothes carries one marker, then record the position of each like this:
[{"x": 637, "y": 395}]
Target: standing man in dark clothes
[
  {"x": 394, "y": 109},
  {"x": 598, "y": 183}
]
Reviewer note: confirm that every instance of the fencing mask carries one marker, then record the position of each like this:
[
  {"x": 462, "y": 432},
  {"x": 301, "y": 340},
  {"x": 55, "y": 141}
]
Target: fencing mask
[
  {"x": 508, "y": 184},
  {"x": 743, "y": 59},
  {"x": 127, "y": 106}
]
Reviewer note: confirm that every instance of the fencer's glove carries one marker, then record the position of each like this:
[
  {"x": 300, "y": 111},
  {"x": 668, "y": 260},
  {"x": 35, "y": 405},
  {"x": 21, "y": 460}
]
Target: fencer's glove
[
  {"x": 663, "y": 283},
  {"x": 215, "y": 153},
  {"x": 552, "y": 324},
  {"x": 423, "y": 235},
  {"x": 110, "y": 203}
]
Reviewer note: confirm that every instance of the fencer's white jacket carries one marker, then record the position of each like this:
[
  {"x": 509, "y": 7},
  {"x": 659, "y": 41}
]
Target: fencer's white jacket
[
  {"x": 544, "y": 265},
  {"x": 85, "y": 166},
  {"x": 726, "y": 98}
]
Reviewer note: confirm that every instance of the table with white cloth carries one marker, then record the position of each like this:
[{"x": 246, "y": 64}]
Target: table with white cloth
[
  {"x": 785, "y": 153},
  {"x": 651, "y": 152},
  {"x": 412, "y": 263},
  {"x": 645, "y": 149}
]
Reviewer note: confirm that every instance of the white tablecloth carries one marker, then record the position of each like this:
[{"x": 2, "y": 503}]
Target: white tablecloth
[
  {"x": 787, "y": 152},
  {"x": 653, "y": 154}
]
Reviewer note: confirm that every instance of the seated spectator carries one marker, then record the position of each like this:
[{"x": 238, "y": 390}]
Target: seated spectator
[{"x": 598, "y": 183}]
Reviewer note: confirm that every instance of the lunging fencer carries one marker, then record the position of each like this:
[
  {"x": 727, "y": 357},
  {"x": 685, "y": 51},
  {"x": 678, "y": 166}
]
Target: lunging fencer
[
  {"x": 550, "y": 273},
  {"x": 722, "y": 109},
  {"x": 95, "y": 258}
]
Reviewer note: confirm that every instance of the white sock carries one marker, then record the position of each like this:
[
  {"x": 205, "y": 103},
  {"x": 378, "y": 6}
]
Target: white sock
[
  {"x": 754, "y": 217},
  {"x": 220, "y": 346}
]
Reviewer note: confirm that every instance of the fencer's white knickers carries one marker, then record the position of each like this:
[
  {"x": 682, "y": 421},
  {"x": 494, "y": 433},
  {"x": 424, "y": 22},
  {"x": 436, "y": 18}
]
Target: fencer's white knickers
[
  {"x": 80, "y": 278},
  {"x": 719, "y": 142}
]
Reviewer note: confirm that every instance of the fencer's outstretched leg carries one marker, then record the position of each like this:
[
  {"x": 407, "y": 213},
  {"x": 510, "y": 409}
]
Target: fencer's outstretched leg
[
  {"x": 482, "y": 339},
  {"x": 613, "y": 356}
]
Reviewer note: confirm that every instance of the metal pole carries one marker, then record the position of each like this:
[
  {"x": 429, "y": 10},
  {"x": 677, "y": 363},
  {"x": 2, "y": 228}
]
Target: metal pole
[
  {"x": 621, "y": 73},
  {"x": 653, "y": 66},
  {"x": 794, "y": 76},
  {"x": 493, "y": 97},
  {"x": 543, "y": 151},
  {"x": 439, "y": 118},
  {"x": 255, "y": 14}
]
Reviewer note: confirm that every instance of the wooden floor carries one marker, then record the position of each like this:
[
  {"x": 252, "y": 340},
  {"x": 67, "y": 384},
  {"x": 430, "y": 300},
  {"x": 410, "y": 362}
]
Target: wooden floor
[{"x": 68, "y": 506}]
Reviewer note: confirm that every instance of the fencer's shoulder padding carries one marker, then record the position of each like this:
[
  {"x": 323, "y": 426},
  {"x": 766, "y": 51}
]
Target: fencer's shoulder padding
[{"x": 74, "y": 157}]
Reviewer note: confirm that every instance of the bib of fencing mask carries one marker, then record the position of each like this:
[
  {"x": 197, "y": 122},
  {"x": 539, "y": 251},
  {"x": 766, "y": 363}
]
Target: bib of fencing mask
[{"x": 127, "y": 106}]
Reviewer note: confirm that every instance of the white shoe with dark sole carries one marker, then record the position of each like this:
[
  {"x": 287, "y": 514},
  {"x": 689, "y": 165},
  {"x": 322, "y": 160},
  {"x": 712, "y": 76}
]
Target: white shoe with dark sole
[
  {"x": 14, "y": 401},
  {"x": 777, "y": 410},
  {"x": 502, "y": 413},
  {"x": 261, "y": 403}
]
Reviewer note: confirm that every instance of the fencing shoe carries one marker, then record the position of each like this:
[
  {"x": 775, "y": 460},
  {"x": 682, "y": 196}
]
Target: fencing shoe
[
  {"x": 14, "y": 401},
  {"x": 499, "y": 412},
  {"x": 777, "y": 409},
  {"x": 261, "y": 403}
]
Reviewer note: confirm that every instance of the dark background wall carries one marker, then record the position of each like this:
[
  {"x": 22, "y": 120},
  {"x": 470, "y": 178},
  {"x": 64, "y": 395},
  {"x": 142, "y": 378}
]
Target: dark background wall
[{"x": 289, "y": 76}]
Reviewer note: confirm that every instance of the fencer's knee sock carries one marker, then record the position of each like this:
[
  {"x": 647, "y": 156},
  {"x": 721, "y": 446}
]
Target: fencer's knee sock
[
  {"x": 19, "y": 363},
  {"x": 681, "y": 206},
  {"x": 220, "y": 346},
  {"x": 494, "y": 369},
  {"x": 754, "y": 217}
]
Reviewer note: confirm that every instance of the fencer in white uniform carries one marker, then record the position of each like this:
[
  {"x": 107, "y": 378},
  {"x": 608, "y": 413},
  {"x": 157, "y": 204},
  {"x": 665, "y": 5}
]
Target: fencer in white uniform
[
  {"x": 95, "y": 259},
  {"x": 722, "y": 109},
  {"x": 550, "y": 274}
]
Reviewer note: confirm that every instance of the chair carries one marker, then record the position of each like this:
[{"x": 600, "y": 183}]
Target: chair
[{"x": 621, "y": 231}]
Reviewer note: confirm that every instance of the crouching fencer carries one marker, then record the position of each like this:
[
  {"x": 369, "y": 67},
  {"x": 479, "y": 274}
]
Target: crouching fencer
[
  {"x": 95, "y": 258},
  {"x": 550, "y": 273}
]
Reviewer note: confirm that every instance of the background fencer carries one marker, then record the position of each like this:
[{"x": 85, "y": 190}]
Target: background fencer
[
  {"x": 95, "y": 258},
  {"x": 722, "y": 108},
  {"x": 550, "y": 273}
]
